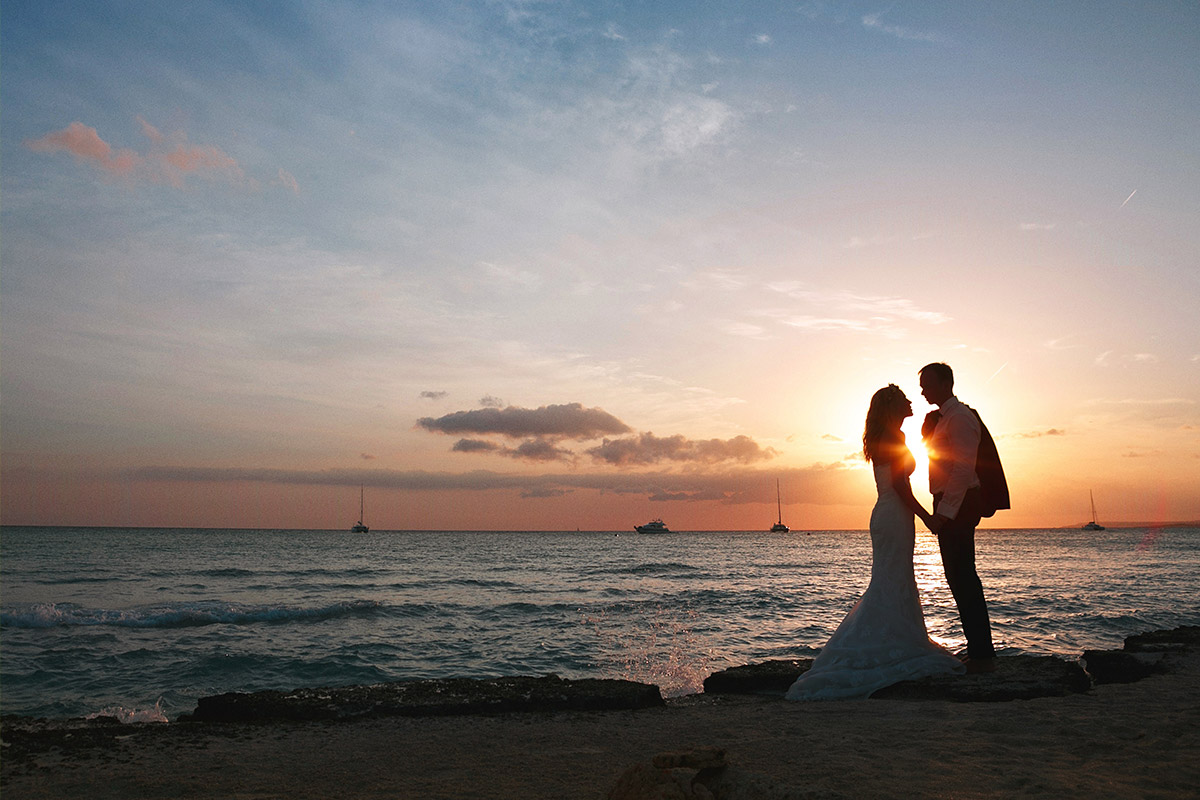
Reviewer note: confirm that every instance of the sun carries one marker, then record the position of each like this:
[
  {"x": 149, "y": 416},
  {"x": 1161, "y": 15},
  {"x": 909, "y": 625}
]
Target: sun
[{"x": 912, "y": 433}]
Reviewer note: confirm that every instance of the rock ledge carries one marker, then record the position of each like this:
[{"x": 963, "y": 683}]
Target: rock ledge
[{"x": 423, "y": 698}]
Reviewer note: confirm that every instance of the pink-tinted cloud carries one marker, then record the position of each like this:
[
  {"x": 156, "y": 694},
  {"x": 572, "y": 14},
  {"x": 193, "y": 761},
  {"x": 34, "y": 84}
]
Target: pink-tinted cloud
[
  {"x": 85, "y": 144},
  {"x": 288, "y": 181},
  {"x": 169, "y": 158}
]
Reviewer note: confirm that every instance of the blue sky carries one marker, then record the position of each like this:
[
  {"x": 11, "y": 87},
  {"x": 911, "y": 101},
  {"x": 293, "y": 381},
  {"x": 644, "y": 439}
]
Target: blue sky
[{"x": 273, "y": 236}]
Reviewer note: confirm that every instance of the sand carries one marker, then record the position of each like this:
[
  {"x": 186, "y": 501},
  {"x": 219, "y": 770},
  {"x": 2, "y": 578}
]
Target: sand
[{"x": 1117, "y": 740}]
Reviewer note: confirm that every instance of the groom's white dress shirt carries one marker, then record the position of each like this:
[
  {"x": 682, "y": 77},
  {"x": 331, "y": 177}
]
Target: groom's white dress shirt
[{"x": 952, "y": 451}]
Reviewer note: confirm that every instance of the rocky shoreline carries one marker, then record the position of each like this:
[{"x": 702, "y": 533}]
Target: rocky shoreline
[
  {"x": 1109, "y": 723},
  {"x": 1016, "y": 678}
]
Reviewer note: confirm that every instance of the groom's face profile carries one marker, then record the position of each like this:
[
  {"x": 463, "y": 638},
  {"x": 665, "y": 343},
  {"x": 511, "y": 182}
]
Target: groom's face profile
[{"x": 935, "y": 390}]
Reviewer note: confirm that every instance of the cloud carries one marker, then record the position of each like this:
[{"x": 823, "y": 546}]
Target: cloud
[
  {"x": 569, "y": 421},
  {"x": 474, "y": 446},
  {"x": 817, "y": 485},
  {"x": 169, "y": 158},
  {"x": 366, "y": 456},
  {"x": 611, "y": 32},
  {"x": 539, "y": 450},
  {"x": 863, "y": 313},
  {"x": 85, "y": 144},
  {"x": 433, "y": 395},
  {"x": 1061, "y": 343},
  {"x": 487, "y": 401},
  {"x": 1038, "y": 226},
  {"x": 288, "y": 181},
  {"x": 1033, "y": 434},
  {"x": 745, "y": 329},
  {"x": 646, "y": 448},
  {"x": 1150, "y": 401},
  {"x": 875, "y": 22},
  {"x": 507, "y": 277}
]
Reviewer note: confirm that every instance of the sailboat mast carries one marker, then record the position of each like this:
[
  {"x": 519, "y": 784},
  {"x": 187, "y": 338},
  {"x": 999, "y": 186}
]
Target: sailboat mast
[
  {"x": 1092, "y": 497},
  {"x": 778, "y": 504}
]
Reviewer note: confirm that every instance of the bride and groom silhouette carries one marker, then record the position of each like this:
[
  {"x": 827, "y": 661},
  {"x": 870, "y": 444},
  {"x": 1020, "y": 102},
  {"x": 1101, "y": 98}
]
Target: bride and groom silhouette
[{"x": 883, "y": 639}]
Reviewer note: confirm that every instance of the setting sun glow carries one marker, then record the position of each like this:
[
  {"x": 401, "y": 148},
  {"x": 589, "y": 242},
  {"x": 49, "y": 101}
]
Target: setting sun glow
[{"x": 552, "y": 266}]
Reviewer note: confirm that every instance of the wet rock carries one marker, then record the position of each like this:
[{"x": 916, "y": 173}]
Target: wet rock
[
  {"x": 1119, "y": 666},
  {"x": 1142, "y": 655},
  {"x": 1015, "y": 678},
  {"x": 417, "y": 698},
  {"x": 766, "y": 677},
  {"x": 1175, "y": 640}
]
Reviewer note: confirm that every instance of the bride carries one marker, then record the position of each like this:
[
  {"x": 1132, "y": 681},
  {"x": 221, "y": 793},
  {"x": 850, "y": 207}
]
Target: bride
[{"x": 882, "y": 640}]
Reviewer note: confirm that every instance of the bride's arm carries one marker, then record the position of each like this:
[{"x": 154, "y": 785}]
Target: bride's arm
[{"x": 900, "y": 468}]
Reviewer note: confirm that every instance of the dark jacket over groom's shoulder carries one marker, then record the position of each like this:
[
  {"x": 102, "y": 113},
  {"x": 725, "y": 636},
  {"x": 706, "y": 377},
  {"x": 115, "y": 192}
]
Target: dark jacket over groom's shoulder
[{"x": 993, "y": 487}]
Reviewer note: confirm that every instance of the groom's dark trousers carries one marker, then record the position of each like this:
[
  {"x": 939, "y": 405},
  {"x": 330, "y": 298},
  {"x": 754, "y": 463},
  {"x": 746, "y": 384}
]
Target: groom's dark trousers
[{"x": 957, "y": 543}]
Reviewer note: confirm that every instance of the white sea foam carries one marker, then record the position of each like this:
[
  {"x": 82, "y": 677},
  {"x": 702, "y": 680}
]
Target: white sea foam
[{"x": 131, "y": 715}]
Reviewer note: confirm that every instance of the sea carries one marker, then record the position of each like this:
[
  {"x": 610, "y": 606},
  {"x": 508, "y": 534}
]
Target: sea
[{"x": 139, "y": 623}]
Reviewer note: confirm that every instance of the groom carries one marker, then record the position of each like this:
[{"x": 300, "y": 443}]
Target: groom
[{"x": 953, "y": 434}]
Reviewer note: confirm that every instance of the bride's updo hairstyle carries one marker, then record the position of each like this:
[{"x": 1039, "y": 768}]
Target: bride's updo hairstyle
[{"x": 882, "y": 410}]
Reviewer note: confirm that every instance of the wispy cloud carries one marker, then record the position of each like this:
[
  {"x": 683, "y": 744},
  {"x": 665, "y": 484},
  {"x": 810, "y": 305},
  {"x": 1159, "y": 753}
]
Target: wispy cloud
[
  {"x": 745, "y": 329},
  {"x": 820, "y": 484},
  {"x": 1033, "y": 434},
  {"x": 1061, "y": 343},
  {"x": 1145, "y": 401},
  {"x": 168, "y": 159},
  {"x": 1109, "y": 357},
  {"x": 85, "y": 144},
  {"x": 287, "y": 181},
  {"x": 860, "y": 313},
  {"x": 1038, "y": 226},
  {"x": 875, "y": 22}
]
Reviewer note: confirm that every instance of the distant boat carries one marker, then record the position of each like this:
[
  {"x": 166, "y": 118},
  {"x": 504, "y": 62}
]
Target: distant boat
[
  {"x": 1093, "y": 525},
  {"x": 653, "y": 526},
  {"x": 359, "y": 527},
  {"x": 779, "y": 527}
]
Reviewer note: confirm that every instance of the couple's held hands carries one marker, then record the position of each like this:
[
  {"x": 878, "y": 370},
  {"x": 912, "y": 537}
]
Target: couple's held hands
[{"x": 935, "y": 522}]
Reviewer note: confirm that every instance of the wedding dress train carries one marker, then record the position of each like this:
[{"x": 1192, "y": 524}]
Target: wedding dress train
[{"x": 882, "y": 640}]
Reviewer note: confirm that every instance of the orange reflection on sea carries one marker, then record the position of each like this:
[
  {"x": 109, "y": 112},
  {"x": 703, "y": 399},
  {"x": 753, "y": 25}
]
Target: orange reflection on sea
[{"x": 941, "y": 615}]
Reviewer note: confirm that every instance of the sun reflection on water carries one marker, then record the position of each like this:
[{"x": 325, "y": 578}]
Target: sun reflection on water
[{"x": 941, "y": 614}]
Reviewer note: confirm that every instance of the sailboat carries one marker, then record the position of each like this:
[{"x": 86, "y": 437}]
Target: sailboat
[
  {"x": 359, "y": 527},
  {"x": 779, "y": 527},
  {"x": 1093, "y": 525}
]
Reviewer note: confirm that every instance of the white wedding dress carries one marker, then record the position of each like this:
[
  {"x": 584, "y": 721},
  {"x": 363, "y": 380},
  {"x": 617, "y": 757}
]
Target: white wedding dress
[{"x": 882, "y": 640}]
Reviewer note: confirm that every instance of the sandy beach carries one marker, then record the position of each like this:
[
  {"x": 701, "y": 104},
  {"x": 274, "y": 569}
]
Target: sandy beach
[{"x": 1117, "y": 740}]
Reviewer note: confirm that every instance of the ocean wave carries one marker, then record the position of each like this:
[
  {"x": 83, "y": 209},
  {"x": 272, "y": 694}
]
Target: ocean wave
[
  {"x": 186, "y": 615},
  {"x": 131, "y": 715},
  {"x": 648, "y": 568}
]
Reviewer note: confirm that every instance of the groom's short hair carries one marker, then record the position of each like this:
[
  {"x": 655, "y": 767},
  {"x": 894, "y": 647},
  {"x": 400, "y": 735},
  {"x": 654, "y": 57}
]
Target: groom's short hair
[{"x": 940, "y": 371}]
